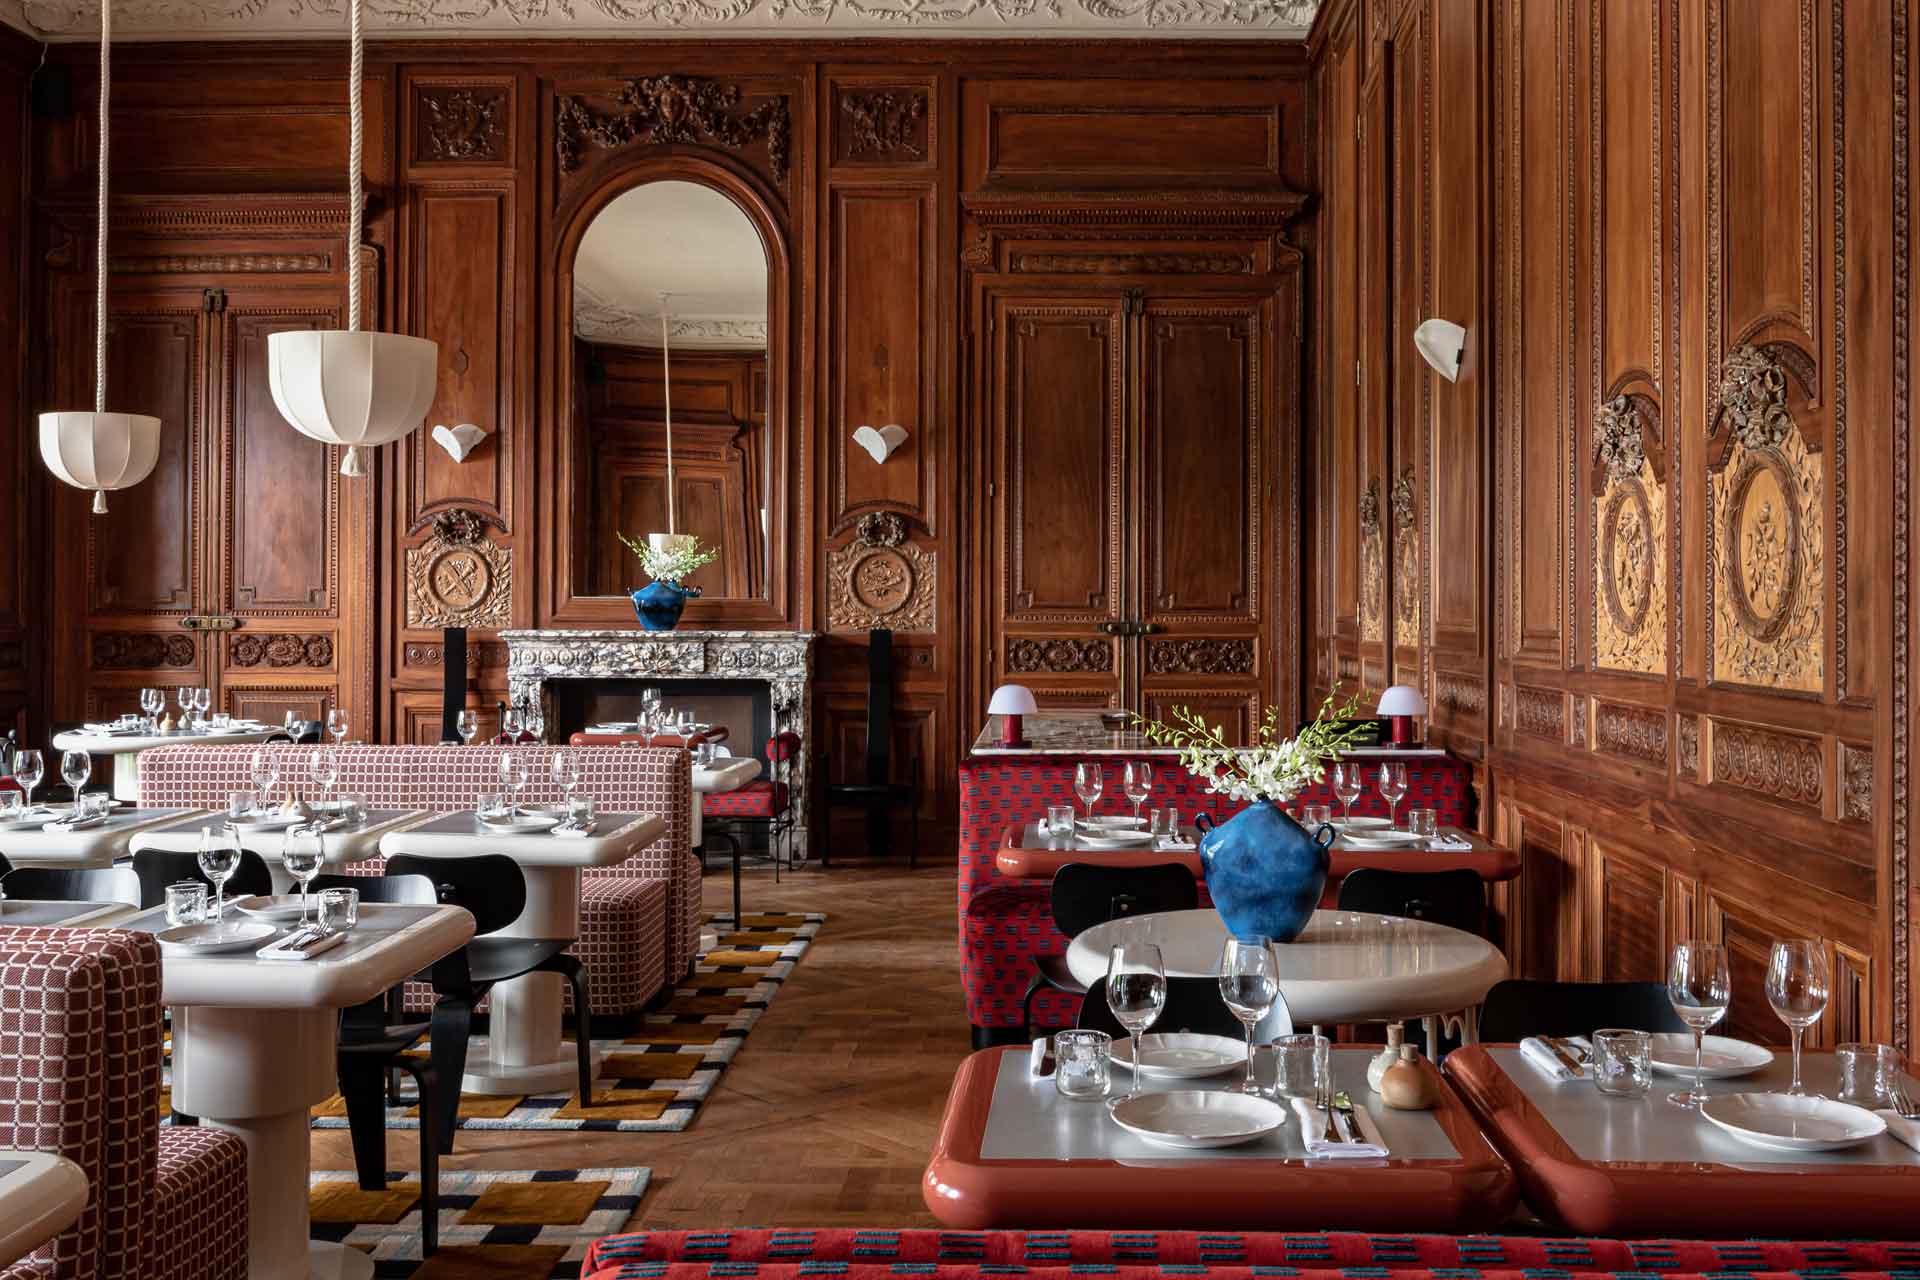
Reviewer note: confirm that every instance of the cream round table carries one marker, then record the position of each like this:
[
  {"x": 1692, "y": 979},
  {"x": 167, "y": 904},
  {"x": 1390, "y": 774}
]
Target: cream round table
[
  {"x": 125, "y": 748},
  {"x": 1349, "y": 966},
  {"x": 41, "y": 1195}
]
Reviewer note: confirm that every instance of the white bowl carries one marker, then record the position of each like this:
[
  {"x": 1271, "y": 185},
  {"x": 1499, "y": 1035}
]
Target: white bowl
[
  {"x": 1199, "y": 1118},
  {"x": 1787, "y": 1123}
]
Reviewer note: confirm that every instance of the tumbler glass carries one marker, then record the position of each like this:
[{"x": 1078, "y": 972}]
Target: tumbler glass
[
  {"x": 186, "y": 903},
  {"x": 1868, "y": 1073},
  {"x": 1300, "y": 1065},
  {"x": 1083, "y": 1064},
  {"x": 339, "y": 910},
  {"x": 1623, "y": 1062}
]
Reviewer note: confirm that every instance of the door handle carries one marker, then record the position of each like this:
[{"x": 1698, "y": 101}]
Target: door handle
[
  {"x": 1147, "y": 628},
  {"x": 1111, "y": 628},
  {"x": 209, "y": 622}
]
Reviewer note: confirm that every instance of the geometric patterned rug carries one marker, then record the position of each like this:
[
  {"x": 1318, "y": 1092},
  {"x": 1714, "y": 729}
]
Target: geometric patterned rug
[
  {"x": 524, "y": 1223},
  {"x": 655, "y": 1080}
]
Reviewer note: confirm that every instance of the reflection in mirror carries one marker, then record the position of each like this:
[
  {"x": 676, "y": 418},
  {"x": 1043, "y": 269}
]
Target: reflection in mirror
[{"x": 670, "y": 327}]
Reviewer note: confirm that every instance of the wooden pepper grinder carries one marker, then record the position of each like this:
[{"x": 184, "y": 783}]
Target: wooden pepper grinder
[{"x": 1409, "y": 1084}]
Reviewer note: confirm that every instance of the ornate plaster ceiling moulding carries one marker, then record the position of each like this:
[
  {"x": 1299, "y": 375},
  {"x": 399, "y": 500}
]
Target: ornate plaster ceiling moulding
[
  {"x": 389, "y": 19},
  {"x": 601, "y": 319}
]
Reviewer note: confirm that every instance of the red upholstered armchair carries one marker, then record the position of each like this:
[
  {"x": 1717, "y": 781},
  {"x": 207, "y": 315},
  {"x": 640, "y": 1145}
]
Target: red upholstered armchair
[
  {"x": 80, "y": 1034},
  {"x": 767, "y": 800},
  {"x": 1004, "y": 923}
]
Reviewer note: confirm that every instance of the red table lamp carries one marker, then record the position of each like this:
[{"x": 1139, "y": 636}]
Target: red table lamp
[
  {"x": 1011, "y": 702},
  {"x": 1401, "y": 703}
]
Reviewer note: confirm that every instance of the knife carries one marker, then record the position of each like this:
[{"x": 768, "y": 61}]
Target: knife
[
  {"x": 1565, "y": 1060},
  {"x": 1577, "y": 1053},
  {"x": 1343, "y": 1107}
]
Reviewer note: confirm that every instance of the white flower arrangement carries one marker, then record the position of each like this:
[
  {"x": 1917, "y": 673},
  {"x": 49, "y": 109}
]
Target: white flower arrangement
[
  {"x": 672, "y": 563},
  {"x": 1274, "y": 768}
]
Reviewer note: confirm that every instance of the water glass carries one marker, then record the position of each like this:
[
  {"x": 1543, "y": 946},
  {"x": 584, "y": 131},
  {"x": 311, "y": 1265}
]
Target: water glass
[
  {"x": 1249, "y": 984},
  {"x": 1424, "y": 823},
  {"x": 490, "y": 804},
  {"x": 1160, "y": 826},
  {"x": 95, "y": 804},
  {"x": 467, "y": 724},
  {"x": 1136, "y": 993},
  {"x": 1347, "y": 784},
  {"x": 1300, "y": 1065},
  {"x": 579, "y": 810},
  {"x": 12, "y": 805},
  {"x": 1083, "y": 1064},
  {"x": 1393, "y": 787},
  {"x": 1869, "y": 1073},
  {"x": 1315, "y": 816},
  {"x": 1089, "y": 780},
  {"x": 186, "y": 903},
  {"x": 241, "y": 803},
  {"x": 352, "y": 809},
  {"x": 1059, "y": 826},
  {"x": 1623, "y": 1062},
  {"x": 1136, "y": 780},
  {"x": 339, "y": 910}
]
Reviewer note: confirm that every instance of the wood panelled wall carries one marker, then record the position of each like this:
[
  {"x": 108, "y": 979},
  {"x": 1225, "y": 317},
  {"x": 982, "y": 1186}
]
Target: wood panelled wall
[
  {"x": 894, "y": 180},
  {"x": 1649, "y": 555},
  {"x": 20, "y": 566}
]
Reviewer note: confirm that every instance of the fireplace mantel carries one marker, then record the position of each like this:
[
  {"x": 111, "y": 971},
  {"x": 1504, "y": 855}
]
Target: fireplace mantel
[{"x": 783, "y": 660}]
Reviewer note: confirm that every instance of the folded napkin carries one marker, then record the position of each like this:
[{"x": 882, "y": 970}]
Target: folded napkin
[
  {"x": 1313, "y": 1128},
  {"x": 575, "y": 833},
  {"x": 68, "y": 824},
  {"x": 1167, "y": 844},
  {"x": 1538, "y": 1052},
  {"x": 1905, "y": 1130},
  {"x": 1449, "y": 844}
]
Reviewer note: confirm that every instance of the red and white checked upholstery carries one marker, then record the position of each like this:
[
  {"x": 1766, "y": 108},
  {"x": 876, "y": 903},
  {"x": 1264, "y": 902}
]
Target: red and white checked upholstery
[
  {"x": 80, "y": 1075},
  {"x": 621, "y": 961},
  {"x": 758, "y": 799}
]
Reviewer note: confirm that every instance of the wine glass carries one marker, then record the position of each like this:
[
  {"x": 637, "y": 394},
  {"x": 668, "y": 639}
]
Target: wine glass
[
  {"x": 513, "y": 776},
  {"x": 29, "y": 766},
  {"x": 510, "y": 725},
  {"x": 535, "y": 723},
  {"x": 302, "y": 852},
  {"x": 468, "y": 725},
  {"x": 565, "y": 768},
  {"x": 325, "y": 768},
  {"x": 153, "y": 702},
  {"x": 1089, "y": 779},
  {"x": 287, "y": 722},
  {"x": 1700, "y": 991},
  {"x": 1346, "y": 784},
  {"x": 1136, "y": 993},
  {"x": 1137, "y": 782},
  {"x": 219, "y": 858},
  {"x": 203, "y": 703},
  {"x": 1249, "y": 983},
  {"x": 1393, "y": 789},
  {"x": 1797, "y": 990},
  {"x": 185, "y": 696},
  {"x": 75, "y": 768},
  {"x": 265, "y": 768},
  {"x": 337, "y": 725}
]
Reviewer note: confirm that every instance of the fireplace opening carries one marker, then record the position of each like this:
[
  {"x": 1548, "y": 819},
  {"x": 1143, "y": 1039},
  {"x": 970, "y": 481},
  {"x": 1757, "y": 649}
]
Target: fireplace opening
[{"x": 745, "y": 707}]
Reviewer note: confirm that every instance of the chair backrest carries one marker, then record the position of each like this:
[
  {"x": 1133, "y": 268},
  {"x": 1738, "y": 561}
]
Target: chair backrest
[
  {"x": 1517, "y": 1008},
  {"x": 1193, "y": 1004},
  {"x": 1457, "y": 898},
  {"x": 879, "y": 705},
  {"x": 158, "y": 868},
  {"x": 1086, "y": 894},
  {"x": 409, "y": 890},
  {"x": 490, "y": 885},
  {"x": 72, "y": 884}
]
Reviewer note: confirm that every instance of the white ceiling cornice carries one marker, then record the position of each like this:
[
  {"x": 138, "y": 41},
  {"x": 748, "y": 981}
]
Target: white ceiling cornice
[{"x": 79, "y": 20}]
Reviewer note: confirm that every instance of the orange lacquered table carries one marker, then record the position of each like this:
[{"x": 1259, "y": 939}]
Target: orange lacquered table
[
  {"x": 1721, "y": 1198},
  {"x": 1473, "y": 1191},
  {"x": 1024, "y": 855}
]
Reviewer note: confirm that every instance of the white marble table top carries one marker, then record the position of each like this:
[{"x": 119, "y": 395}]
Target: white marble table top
[
  {"x": 616, "y": 837},
  {"x": 1080, "y": 733},
  {"x": 348, "y": 845},
  {"x": 41, "y": 1195},
  {"x": 1348, "y": 966},
  {"x": 728, "y": 773},
  {"x": 90, "y": 847}
]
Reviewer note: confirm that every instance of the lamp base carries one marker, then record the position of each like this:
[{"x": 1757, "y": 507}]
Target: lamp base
[
  {"x": 1011, "y": 732},
  {"x": 1403, "y": 732}
]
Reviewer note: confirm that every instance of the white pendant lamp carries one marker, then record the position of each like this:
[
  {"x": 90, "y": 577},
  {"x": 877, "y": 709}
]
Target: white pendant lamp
[
  {"x": 100, "y": 450},
  {"x": 671, "y": 540},
  {"x": 345, "y": 387}
]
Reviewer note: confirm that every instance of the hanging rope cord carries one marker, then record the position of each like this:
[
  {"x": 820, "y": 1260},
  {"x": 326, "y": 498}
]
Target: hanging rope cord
[
  {"x": 666, "y": 380},
  {"x": 100, "y": 243},
  {"x": 355, "y": 183}
]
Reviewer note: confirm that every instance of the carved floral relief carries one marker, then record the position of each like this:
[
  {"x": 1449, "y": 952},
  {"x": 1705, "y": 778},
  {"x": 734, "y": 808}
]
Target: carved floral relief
[
  {"x": 1406, "y": 564},
  {"x": 1373, "y": 565},
  {"x": 459, "y": 577},
  {"x": 880, "y": 579}
]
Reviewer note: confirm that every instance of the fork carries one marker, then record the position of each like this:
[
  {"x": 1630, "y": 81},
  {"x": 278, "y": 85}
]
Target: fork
[
  {"x": 1903, "y": 1103},
  {"x": 1333, "y": 1130}
]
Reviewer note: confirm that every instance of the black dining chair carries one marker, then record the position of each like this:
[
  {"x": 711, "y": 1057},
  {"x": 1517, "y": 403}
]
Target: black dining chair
[
  {"x": 158, "y": 868},
  {"x": 65, "y": 884},
  {"x": 1193, "y": 1005},
  {"x": 1518, "y": 1008},
  {"x": 1085, "y": 894},
  {"x": 492, "y": 887},
  {"x": 374, "y": 1041},
  {"x": 877, "y": 792}
]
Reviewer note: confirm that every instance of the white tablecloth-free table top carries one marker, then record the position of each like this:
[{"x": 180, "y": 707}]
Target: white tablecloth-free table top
[
  {"x": 350, "y": 844},
  {"x": 41, "y": 1195},
  {"x": 90, "y": 847},
  {"x": 726, "y": 773},
  {"x": 42, "y": 913},
  {"x": 616, "y": 837},
  {"x": 1348, "y": 966},
  {"x": 123, "y": 744}
]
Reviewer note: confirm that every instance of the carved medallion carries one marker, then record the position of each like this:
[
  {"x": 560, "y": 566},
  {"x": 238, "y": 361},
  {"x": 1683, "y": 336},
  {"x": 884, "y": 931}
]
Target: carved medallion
[
  {"x": 1061, "y": 655},
  {"x": 880, "y": 579},
  {"x": 279, "y": 649},
  {"x": 882, "y": 124},
  {"x": 1630, "y": 599},
  {"x": 662, "y": 109},
  {"x": 128, "y": 650},
  {"x": 1766, "y": 543},
  {"x": 1200, "y": 656},
  {"x": 461, "y": 124},
  {"x": 459, "y": 577}
]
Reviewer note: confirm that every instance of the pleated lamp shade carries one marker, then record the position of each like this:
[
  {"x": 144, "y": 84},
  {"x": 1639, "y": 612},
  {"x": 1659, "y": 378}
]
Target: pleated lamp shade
[
  {"x": 361, "y": 389},
  {"x": 100, "y": 451}
]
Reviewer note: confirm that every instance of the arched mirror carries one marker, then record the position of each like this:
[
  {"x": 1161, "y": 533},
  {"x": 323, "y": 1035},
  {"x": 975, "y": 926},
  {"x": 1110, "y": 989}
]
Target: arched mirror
[{"x": 670, "y": 379}]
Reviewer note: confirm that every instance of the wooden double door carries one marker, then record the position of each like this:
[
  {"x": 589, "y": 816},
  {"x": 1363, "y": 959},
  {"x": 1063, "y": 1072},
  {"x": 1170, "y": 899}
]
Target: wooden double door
[
  {"x": 243, "y": 562},
  {"x": 1141, "y": 493}
]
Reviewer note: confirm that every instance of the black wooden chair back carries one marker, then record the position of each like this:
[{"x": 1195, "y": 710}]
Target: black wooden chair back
[
  {"x": 1085, "y": 894},
  {"x": 1517, "y": 1008},
  {"x": 158, "y": 868},
  {"x": 490, "y": 885},
  {"x": 404, "y": 889},
  {"x": 71, "y": 884},
  {"x": 1457, "y": 898},
  {"x": 1193, "y": 1005},
  {"x": 879, "y": 706}
]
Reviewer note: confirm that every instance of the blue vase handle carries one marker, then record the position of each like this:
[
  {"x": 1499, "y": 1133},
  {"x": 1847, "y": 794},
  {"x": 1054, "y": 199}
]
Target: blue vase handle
[
  {"x": 1324, "y": 835},
  {"x": 1203, "y": 823}
]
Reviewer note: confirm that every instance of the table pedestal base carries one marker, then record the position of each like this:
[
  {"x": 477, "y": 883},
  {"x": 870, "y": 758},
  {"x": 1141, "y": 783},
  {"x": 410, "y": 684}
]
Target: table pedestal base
[
  {"x": 560, "y": 1074},
  {"x": 328, "y": 1261},
  {"x": 525, "y": 1053},
  {"x": 254, "y": 1073},
  {"x": 126, "y": 777}
]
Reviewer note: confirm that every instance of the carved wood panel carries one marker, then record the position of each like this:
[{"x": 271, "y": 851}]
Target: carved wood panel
[{"x": 1629, "y": 932}]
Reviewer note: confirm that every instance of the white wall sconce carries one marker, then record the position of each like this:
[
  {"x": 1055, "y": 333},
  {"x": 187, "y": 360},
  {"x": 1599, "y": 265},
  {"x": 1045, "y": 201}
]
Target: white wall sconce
[
  {"x": 459, "y": 441},
  {"x": 881, "y": 443},
  {"x": 1441, "y": 343}
]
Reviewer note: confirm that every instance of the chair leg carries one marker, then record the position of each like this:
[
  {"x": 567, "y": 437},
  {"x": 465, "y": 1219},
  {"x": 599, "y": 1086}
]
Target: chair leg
[
  {"x": 428, "y": 1088},
  {"x": 1034, "y": 987},
  {"x": 452, "y": 1027},
  {"x": 582, "y": 1030},
  {"x": 913, "y": 850},
  {"x": 363, "y": 1085},
  {"x": 733, "y": 839}
]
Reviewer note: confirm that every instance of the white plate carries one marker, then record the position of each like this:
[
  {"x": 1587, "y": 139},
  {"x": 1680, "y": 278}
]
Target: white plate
[
  {"x": 274, "y": 821},
  {"x": 1381, "y": 839},
  {"x": 278, "y": 906},
  {"x": 543, "y": 810},
  {"x": 1724, "y": 1057},
  {"x": 524, "y": 824},
  {"x": 211, "y": 939},
  {"x": 1196, "y": 1118},
  {"x": 37, "y": 816},
  {"x": 1109, "y": 822},
  {"x": 1360, "y": 824},
  {"x": 1793, "y": 1124},
  {"x": 58, "y": 807},
  {"x": 1181, "y": 1055},
  {"x": 1115, "y": 839}
]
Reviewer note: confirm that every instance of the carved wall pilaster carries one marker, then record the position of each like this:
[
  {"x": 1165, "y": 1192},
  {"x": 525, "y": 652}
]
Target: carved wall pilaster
[{"x": 1406, "y": 563}]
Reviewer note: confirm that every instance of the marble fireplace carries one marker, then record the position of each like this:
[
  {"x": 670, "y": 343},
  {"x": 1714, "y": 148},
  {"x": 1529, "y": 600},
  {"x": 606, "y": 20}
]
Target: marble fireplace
[{"x": 779, "y": 661}]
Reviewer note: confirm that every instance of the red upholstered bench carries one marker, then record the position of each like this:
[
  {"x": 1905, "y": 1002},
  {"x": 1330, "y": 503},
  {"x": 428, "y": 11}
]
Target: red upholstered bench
[
  {"x": 1004, "y": 923},
  {"x": 80, "y": 1030},
  {"x": 879, "y": 1254}
]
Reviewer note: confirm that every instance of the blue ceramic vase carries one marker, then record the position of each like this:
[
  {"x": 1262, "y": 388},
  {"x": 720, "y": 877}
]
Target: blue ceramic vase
[
  {"x": 658, "y": 604},
  {"x": 1265, "y": 872}
]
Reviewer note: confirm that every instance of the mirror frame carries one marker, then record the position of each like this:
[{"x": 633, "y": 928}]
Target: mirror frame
[{"x": 561, "y": 603}]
